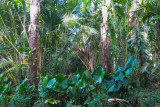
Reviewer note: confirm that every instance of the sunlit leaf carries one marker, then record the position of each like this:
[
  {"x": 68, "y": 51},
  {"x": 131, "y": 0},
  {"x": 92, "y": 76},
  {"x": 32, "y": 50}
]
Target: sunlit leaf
[
  {"x": 51, "y": 83},
  {"x": 111, "y": 88},
  {"x": 98, "y": 75}
]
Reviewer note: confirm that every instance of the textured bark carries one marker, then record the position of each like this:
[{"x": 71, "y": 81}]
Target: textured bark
[
  {"x": 90, "y": 57},
  {"x": 34, "y": 43},
  {"x": 105, "y": 37},
  {"x": 91, "y": 64}
]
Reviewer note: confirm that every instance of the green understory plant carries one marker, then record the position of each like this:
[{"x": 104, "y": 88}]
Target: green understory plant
[{"x": 80, "y": 88}]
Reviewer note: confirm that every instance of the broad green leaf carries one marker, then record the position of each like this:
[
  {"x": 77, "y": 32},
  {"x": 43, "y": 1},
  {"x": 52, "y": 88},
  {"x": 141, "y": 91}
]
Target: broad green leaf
[
  {"x": 65, "y": 84},
  {"x": 119, "y": 77},
  {"x": 51, "y": 83},
  {"x": 117, "y": 71},
  {"x": 98, "y": 75},
  {"x": 98, "y": 79},
  {"x": 117, "y": 86},
  {"x": 111, "y": 88},
  {"x": 74, "y": 90},
  {"x": 129, "y": 63},
  {"x": 69, "y": 89},
  {"x": 134, "y": 64},
  {"x": 83, "y": 85},
  {"x": 75, "y": 79},
  {"x": 128, "y": 71},
  {"x": 87, "y": 74},
  {"x": 80, "y": 83},
  {"x": 44, "y": 81},
  {"x": 91, "y": 87},
  {"x": 58, "y": 89},
  {"x": 60, "y": 78}
]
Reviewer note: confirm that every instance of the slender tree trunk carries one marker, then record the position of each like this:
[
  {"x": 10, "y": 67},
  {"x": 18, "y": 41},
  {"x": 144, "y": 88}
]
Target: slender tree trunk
[
  {"x": 105, "y": 37},
  {"x": 34, "y": 43},
  {"x": 158, "y": 41},
  {"x": 90, "y": 57},
  {"x": 91, "y": 64},
  {"x": 23, "y": 73}
]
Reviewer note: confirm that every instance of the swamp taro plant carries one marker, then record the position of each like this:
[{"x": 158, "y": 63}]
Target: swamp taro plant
[{"x": 98, "y": 88}]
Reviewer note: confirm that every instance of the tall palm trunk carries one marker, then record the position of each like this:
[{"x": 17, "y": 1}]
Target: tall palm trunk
[
  {"x": 105, "y": 37},
  {"x": 34, "y": 43}
]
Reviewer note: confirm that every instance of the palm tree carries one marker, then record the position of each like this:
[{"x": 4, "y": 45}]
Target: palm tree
[{"x": 151, "y": 13}]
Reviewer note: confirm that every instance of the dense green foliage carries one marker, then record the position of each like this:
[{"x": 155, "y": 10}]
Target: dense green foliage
[{"x": 69, "y": 25}]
